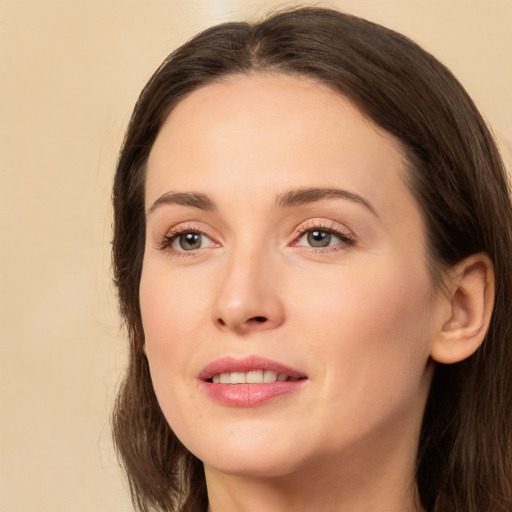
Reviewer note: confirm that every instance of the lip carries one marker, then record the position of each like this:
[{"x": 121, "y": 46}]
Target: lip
[
  {"x": 247, "y": 364},
  {"x": 249, "y": 395}
]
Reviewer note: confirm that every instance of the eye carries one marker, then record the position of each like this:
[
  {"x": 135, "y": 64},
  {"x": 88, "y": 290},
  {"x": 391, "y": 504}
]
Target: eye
[
  {"x": 186, "y": 240},
  {"x": 317, "y": 237}
]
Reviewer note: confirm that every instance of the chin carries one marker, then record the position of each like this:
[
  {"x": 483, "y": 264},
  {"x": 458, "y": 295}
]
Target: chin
[
  {"x": 270, "y": 465},
  {"x": 248, "y": 452}
]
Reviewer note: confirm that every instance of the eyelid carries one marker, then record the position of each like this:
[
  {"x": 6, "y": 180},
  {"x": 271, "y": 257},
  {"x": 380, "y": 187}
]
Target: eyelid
[
  {"x": 346, "y": 236},
  {"x": 167, "y": 239}
]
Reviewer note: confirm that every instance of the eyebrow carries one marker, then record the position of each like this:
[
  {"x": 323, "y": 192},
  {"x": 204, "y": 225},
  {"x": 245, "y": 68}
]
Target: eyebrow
[
  {"x": 194, "y": 199},
  {"x": 302, "y": 196},
  {"x": 288, "y": 199}
]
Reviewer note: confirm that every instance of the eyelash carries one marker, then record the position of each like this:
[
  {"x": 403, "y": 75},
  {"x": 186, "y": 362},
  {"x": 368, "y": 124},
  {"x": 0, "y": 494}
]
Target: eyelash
[
  {"x": 169, "y": 238},
  {"x": 347, "y": 240}
]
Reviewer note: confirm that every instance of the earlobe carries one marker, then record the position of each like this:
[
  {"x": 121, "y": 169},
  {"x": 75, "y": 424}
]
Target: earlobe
[{"x": 470, "y": 292}]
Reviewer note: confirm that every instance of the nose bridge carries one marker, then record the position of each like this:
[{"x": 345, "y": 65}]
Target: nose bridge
[{"x": 248, "y": 296}]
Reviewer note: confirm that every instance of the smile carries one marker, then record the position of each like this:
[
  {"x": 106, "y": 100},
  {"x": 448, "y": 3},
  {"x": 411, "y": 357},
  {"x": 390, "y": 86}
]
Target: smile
[
  {"x": 249, "y": 381},
  {"x": 252, "y": 377}
]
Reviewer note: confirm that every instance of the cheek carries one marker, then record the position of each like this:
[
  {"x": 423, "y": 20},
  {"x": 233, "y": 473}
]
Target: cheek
[
  {"x": 164, "y": 318},
  {"x": 171, "y": 331},
  {"x": 173, "y": 313},
  {"x": 169, "y": 309},
  {"x": 390, "y": 299},
  {"x": 370, "y": 331}
]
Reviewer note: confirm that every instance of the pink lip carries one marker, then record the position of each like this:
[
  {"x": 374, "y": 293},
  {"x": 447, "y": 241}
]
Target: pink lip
[
  {"x": 248, "y": 395},
  {"x": 247, "y": 364}
]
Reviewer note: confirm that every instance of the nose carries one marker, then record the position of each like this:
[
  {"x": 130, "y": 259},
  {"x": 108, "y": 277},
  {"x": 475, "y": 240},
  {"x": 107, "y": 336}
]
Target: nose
[{"x": 248, "y": 297}]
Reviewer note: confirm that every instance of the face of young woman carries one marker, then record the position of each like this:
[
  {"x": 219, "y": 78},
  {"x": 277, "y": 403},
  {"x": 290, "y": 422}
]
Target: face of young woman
[{"x": 287, "y": 308}]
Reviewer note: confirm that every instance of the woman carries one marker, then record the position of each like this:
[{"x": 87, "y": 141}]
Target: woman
[{"x": 312, "y": 250}]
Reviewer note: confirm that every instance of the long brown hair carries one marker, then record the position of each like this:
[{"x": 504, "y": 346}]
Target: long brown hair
[{"x": 464, "y": 461}]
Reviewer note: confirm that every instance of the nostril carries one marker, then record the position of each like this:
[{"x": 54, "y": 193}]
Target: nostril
[{"x": 235, "y": 324}]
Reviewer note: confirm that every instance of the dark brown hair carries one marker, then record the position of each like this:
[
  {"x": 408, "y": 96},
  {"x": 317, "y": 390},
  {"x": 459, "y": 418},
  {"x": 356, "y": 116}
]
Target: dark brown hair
[{"x": 464, "y": 461}]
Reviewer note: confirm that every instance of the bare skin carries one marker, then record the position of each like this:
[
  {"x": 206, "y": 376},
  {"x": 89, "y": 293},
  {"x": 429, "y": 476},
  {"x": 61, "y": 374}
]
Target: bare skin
[{"x": 331, "y": 282}]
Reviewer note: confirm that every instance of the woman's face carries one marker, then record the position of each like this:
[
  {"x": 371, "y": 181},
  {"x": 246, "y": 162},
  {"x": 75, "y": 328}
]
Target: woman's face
[{"x": 282, "y": 243}]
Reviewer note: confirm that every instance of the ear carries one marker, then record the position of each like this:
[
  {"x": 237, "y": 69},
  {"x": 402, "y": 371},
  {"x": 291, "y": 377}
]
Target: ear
[{"x": 470, "y": 296}]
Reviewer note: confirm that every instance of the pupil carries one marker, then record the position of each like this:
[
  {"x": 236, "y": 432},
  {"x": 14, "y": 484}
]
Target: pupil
[
  {"x": 190, "y": 241},
  {"x": 319, "y": 238}
]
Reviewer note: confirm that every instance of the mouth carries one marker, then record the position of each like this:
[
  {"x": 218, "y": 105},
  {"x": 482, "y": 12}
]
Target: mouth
[
  {"x": 249, "y": 381},
  {"x": 252, "y": 377},
  {"x": 249, "y": 370}
]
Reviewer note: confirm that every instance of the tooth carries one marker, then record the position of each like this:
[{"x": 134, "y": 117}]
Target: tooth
[
  {"x": 238, "y": 378},
  {"x": 254, "y": 377},
  {"x": 269, "y": 376}
]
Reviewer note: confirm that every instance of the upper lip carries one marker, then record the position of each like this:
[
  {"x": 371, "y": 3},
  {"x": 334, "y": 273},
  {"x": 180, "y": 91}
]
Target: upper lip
[{"x": 247, "y": 364}]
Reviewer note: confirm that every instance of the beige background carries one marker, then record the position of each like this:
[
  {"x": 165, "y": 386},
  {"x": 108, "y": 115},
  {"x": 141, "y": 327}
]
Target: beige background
[{"x": 70, "y": 74}]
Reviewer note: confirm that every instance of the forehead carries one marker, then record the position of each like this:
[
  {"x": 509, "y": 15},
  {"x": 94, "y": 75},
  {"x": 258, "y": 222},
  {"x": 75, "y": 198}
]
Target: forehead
[
  {"x": 263, "y": 104},
  {"x": 261, "y": 132}
]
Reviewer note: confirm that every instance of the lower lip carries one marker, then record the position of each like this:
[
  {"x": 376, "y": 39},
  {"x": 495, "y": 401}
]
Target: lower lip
[{"x": 250, "y": 395}]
